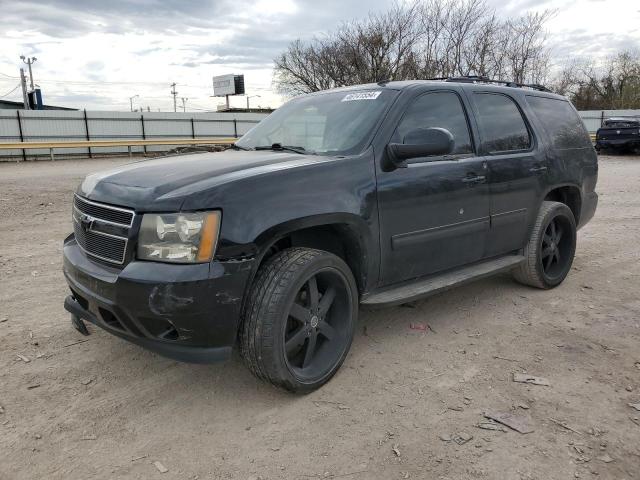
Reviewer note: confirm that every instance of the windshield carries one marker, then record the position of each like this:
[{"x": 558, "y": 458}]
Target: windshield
[{"x": 336, "y": 123}]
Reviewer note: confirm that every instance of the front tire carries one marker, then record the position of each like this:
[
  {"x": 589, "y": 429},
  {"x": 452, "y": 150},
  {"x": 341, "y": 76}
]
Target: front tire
[
  {"x": 551, "y": 247},
  {"x": 299, "y": 320}
]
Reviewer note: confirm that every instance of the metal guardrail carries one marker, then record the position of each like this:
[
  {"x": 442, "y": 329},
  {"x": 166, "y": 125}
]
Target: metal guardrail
[
  {"x": 112, "y": 143},
  {"x": 126, "y": 143},
  {"x": 76, "y": 126}
]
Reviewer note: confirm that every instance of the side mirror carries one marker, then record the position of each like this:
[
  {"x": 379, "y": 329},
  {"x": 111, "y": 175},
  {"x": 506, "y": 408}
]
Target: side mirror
[{"x": 422, "y": 142}]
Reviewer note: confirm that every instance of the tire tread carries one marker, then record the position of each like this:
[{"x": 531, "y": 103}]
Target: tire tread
[
  {"x": 258, "y": 327},
  {"x": 527, "y": 272}
]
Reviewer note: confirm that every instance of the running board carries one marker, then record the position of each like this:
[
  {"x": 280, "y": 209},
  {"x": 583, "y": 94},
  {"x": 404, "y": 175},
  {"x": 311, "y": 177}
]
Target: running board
[{"x": 420, "y": 288}]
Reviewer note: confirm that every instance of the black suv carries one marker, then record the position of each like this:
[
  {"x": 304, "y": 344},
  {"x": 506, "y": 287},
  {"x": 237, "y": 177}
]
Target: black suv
[
  {"x": 619, "y": 134},
  {"x": 376, "y": 194}
]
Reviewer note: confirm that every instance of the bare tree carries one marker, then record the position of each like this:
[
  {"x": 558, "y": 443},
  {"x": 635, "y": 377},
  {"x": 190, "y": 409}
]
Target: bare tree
[
  {"x": 485, "y": 57},
  {"x": 568, "y": 79},
  {"x": 418, "y": 39},
  {"x": 464, "y": 20},
  {"x": 613, "y": 84},
  {"x": 525, "y": 53}
]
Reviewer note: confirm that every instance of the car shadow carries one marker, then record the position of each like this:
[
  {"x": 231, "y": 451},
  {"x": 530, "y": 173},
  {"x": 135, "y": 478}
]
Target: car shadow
[{"x": 218, "y": 382}]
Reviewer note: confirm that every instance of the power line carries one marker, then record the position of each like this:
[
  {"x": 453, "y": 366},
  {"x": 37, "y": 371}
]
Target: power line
[
  {"x": 10, "y": 91},
  {"x": 109, "y": 85},
  {"x": 106, "y": 82}
]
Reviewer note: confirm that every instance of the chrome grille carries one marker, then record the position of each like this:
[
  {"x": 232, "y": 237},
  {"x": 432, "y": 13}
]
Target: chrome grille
[
  {"x": 105, "y": 213},
  {"x": 101, "y": 230}
]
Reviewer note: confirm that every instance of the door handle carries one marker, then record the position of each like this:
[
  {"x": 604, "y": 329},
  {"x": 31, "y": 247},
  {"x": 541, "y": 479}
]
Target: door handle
[
  {"x": 538, "y": 169},
  {"x": 474, "y": 179}
]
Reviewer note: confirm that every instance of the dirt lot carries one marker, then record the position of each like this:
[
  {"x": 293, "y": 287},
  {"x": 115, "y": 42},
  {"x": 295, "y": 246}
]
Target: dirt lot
[{"x": 107, "y": 409}]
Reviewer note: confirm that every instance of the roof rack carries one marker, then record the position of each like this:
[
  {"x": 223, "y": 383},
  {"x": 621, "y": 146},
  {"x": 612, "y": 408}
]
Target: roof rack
[{"x": 481, "y": 79}]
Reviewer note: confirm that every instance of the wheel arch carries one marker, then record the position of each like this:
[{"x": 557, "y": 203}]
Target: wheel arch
[
  {"x": 569, "y": 194},
  {"x": 345, "y": 235}
]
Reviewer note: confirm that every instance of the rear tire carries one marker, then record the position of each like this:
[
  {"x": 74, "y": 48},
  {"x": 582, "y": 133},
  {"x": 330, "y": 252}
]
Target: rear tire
[
  {"x": 551, "y": 247},
  {"x": 299, "y": 320}
]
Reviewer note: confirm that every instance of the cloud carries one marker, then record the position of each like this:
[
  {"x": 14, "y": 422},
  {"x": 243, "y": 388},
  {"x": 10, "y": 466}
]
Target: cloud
[
  {"x": 581, "y": 44},
  {"x": 69, "y": 18},
  {"x": 112, "y": 49},
  {"x": 166, "y": 40}
]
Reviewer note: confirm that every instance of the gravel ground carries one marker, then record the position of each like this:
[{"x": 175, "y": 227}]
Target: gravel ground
[{"x": 406, "y": 404}]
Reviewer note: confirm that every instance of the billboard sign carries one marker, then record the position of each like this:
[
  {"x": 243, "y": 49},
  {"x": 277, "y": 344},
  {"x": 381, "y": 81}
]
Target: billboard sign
[{"x": 228, "y": 85}]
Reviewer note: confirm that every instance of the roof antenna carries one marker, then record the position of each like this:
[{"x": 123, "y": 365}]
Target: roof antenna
[{"x": 382, "y": 83}]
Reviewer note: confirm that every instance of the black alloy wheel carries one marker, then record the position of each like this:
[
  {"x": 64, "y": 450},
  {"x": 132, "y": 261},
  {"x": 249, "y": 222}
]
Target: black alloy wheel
[
  {"x": 551, "y": 247},
  {"x": 299, "y": 319},
  {"x": 316, "y": 331},
  {"x": 555, "y": 250}
]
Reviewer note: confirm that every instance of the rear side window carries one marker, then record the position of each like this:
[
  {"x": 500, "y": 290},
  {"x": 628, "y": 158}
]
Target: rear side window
[
  {"x": 502, "y": 127},
  {"x": 442, "y": 110},
  {"x": 560, "y": 122}
]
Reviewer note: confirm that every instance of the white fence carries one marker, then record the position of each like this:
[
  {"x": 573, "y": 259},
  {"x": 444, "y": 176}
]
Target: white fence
[
  {"x": 61, "y": 125},
  {"x": 593, "y": 118}
]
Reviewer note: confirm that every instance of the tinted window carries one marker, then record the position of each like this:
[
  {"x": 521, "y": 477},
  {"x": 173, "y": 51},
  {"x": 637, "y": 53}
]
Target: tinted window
[
  {"x": 442, "y": 110},
  {"x": 561, "y": 122},
  {"x": 620, "y": 124},
  {"x": 502, "y": 127}
]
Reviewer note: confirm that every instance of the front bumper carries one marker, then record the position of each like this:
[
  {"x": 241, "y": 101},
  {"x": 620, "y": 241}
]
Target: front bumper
[{"x": 185, "y": 312}]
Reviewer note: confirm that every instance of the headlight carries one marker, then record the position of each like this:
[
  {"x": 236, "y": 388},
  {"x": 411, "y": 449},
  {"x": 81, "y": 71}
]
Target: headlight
[{"x": 179, "y": 237}]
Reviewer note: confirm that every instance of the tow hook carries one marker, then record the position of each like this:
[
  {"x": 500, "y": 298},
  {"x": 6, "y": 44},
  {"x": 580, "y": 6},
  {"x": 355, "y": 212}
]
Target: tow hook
[{"x": 79, "y": 325}]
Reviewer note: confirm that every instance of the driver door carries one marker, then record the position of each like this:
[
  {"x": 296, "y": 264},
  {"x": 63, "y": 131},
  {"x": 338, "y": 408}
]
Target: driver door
[{"x": 434, "y": 214}]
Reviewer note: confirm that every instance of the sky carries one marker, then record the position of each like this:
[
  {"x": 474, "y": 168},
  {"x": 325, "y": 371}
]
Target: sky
[{"x": 95, "y": 54}]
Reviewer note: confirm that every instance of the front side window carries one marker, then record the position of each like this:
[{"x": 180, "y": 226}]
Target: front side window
[
  {"x": 438, "y": 110},
  {"x": 502, "y": 127},
  {"x": 334, "y": 123}
]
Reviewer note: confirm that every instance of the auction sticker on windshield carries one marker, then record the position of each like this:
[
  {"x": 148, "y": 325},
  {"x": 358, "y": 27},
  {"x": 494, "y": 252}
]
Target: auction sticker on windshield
[{"x": 361, "y": 96}]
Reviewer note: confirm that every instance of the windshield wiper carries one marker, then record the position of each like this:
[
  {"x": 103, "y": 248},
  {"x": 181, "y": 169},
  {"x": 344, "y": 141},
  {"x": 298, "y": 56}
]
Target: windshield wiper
[
  {"x": 235, "y": 146},
  {"x": 278, "y": 147}
]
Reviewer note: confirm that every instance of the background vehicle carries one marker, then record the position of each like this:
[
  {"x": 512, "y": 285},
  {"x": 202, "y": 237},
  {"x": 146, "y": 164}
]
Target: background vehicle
[
  {"x": 377, "y": 194},
  {"x": 619, "y": 134}
]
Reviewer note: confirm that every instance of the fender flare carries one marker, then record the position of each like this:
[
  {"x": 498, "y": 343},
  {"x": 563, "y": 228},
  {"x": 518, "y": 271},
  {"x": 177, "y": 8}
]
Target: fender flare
[
  {"x": 358, "y": 226},
  {"x": 562, "y": 185}
]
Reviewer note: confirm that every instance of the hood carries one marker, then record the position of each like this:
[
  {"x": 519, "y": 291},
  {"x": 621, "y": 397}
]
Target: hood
[{"x": 163, "y": 184}]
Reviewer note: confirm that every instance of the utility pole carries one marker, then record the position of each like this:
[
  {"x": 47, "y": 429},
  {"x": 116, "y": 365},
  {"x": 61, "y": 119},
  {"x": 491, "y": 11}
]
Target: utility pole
[
  {"x": 174, "y": 93},
  {"x": 23, "y": 84},
  {"x": 252, "y": 96},
  {"x": 29, "y": 62},
  {"x": 184, "y": 104}
]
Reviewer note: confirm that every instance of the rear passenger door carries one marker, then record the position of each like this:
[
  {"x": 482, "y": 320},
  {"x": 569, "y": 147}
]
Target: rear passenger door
[
  {"x": 434, "y": 214},
  {"x": 517, "y": 169}
]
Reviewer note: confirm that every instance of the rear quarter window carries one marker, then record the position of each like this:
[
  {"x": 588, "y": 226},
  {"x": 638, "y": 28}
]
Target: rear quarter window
[{"x": 561, "y": 122}]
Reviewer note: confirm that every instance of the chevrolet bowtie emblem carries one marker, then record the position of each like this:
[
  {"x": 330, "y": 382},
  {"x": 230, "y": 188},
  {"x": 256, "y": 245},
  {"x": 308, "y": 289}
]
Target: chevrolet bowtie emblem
[{"x": 86, "y": 222}]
